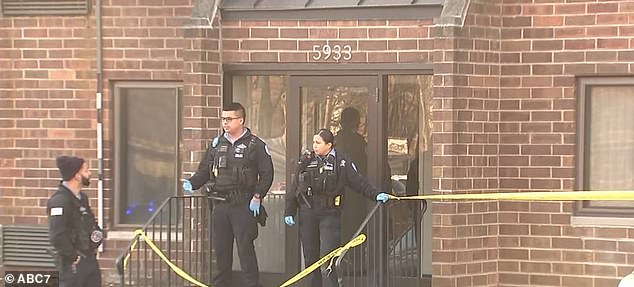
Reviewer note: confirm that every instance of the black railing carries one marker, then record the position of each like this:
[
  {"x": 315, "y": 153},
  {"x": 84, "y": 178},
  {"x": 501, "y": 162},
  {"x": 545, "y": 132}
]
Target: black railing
[
  {"x": 358, "y": 266},
  {"x": 180, "y": 229},
  {"x": 404, "y": 254},
  {"x": 392, "y": 254}
]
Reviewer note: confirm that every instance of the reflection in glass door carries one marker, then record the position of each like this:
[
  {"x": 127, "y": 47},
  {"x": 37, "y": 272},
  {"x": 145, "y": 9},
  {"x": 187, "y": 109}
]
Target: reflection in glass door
[
  {"x": 409, "y": 156},
  {"x": 341, "y": 109},
  {"x": 264, "y": 98}
]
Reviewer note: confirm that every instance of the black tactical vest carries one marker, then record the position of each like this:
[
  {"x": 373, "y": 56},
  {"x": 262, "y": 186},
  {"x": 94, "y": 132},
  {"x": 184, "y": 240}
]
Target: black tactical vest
[
  {"x": 86, "y": 234},
  {"x": 320, "y": 176},
  {"x": 235, "y": 168},
  {"x": 89, "y": 234}
]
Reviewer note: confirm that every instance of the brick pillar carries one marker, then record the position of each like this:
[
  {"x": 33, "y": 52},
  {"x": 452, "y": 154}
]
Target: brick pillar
[
  {"x": 466, "y": 91},
  {"x": 202, "y": 86}
]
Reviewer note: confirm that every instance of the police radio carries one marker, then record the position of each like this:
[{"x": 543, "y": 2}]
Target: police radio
[
  {"x": 306, "y": 156},
  {"x": 304, "y": 159}
]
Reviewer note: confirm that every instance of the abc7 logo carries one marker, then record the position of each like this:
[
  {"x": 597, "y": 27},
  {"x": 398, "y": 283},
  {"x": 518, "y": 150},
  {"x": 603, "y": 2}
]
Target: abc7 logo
[{"x": 9, "y": 278}]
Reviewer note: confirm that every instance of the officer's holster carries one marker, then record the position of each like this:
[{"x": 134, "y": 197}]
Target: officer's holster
[{"x": 261, "y": 218}]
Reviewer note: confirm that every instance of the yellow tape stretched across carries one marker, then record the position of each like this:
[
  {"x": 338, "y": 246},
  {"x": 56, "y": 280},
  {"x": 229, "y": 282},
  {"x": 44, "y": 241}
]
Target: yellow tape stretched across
[
  {"x": 352, "y": 243},
  {"x": 180, "y": 272},
  {"x": 529, "y": 196}
]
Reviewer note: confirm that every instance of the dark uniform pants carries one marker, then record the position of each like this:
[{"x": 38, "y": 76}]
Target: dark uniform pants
[
  {"x": 86, "y": 275},
  {"x": 235, "y": 221},
  {"x": 320, "y": 233}
]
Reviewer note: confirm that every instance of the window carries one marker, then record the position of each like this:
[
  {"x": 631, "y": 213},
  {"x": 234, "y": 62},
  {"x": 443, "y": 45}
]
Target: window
[
  {"x": 410, "y": 165},
  {"x": 606, "y": 143},
  {"x": 146, "y": 148}
]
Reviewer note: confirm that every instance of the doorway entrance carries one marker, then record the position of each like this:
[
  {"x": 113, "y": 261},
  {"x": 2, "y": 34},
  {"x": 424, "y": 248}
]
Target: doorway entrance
[{"x": 376, "y": 120}]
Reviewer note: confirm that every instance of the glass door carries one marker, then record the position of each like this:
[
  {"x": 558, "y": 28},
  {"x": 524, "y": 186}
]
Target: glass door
[
  {"x": 347, "y": 106},
  {"x": 384, "y": 124}
]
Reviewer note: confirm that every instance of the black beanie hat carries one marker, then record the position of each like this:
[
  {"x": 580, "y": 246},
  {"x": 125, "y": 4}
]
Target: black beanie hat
[{"x": 69, "y": 166}]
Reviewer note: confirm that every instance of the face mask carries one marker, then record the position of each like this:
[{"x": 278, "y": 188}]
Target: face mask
[{"x": 85, "y": 181}]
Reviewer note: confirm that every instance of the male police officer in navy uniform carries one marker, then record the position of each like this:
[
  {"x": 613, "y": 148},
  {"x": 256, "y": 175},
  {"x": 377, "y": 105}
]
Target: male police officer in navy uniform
[
  {"x": 238, "y": 167},
  {"x": 73, "y": 230}
]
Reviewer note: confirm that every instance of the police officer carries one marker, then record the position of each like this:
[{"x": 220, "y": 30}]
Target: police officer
[
  {"x": 73, "y": 230},
  {"x": 237, "y": 167},
  {"x": 317, "y": 191}
]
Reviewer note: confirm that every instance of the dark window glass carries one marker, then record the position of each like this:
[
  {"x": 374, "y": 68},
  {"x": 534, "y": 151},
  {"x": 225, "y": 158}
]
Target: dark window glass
[
  {"x": 410, "y": 166},
  {"x": 146, "y": 134}
]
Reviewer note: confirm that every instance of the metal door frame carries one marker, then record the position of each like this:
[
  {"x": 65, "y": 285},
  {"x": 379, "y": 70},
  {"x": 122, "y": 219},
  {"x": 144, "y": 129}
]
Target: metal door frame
[
  {"x": 316, "y": 75},
  {"x": 375, "y": 129}
]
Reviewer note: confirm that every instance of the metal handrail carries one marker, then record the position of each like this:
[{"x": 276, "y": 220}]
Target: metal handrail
[
  {"x": 364, "y": 272},
  {"x": 126, "y": 251},
  {"x": 186, "y": 236},
  {"x": 359, "y": 230}
]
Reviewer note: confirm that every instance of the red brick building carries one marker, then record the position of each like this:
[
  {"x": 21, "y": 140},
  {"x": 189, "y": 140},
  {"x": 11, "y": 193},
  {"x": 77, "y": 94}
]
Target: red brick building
[{"x": 478, "y": 95}]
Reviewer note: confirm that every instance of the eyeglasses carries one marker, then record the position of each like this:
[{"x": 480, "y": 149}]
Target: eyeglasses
[{"x": 228, "y": 119}]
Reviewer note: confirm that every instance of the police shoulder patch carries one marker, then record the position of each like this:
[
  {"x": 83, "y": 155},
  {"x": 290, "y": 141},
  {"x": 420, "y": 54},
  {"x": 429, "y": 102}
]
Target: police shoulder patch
[
  {"x": 214, "y": 143},
  {"x": 56, "y": 211},
  {"x": 266, "y": 148}
]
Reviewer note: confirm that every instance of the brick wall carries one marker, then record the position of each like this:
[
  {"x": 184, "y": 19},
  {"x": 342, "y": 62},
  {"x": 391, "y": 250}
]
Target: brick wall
[
  {"x": 528, "y": 106},
  {"x": 545, "y": 47},
  {"x": 466, "y": 91},
  {"x": 292, "y": 41},
  {"x": 202, "y": 99},
  {"x": 47, "y": 85},
  {"x": 504, "y": 110},
  {"x": 47, "y": 90}
]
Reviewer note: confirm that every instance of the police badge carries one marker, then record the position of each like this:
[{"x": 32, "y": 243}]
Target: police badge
[{"x": 96, "y": 237}]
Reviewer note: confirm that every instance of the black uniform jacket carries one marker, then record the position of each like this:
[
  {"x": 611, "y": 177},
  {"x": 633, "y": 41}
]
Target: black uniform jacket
[
  {"x": 263, "y": 163},
  {"x": 348, "y": 175},
  {"x": 64, "y": 222}
]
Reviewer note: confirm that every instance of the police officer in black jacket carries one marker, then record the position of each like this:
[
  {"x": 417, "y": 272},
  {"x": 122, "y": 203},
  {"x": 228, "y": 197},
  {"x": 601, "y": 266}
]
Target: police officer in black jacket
[
  {"x": 73, "y": 230},
  {"x": 318, "y": 192},
  {"x": 237, "y": 167}
]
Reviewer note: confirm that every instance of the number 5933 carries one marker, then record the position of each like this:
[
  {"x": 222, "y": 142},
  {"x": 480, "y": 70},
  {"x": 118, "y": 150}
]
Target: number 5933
[{"x": 336, "y": 52}]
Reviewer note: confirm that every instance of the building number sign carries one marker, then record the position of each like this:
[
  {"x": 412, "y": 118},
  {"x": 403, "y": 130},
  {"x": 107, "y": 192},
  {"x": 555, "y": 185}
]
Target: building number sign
[{"x": 336, "y": 52}]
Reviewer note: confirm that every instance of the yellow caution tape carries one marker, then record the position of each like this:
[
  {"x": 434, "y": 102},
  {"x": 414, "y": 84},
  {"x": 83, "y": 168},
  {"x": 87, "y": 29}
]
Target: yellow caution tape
[
  {"x": 180, "y": 272},
  {"x": 352, "y": 243},
  {"x": 529, "y": 196},
  {"x": 125, "y": 261}
]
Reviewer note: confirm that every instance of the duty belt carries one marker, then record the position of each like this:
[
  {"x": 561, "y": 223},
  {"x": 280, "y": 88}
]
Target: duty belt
[
  {"x": 324, "y": 201},
  {"x": 233, "y": 197}
]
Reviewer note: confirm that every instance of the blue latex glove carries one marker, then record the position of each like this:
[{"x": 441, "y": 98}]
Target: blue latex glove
[
  {"x": 254, "y": 205},
  {"x": 383, "y": 197},
  {"x": 289, "y": 220},
  {"x": 187, "y": 186}
]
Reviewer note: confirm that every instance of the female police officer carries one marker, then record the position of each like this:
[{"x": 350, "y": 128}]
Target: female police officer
[{"x": 317, "y": 191}]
